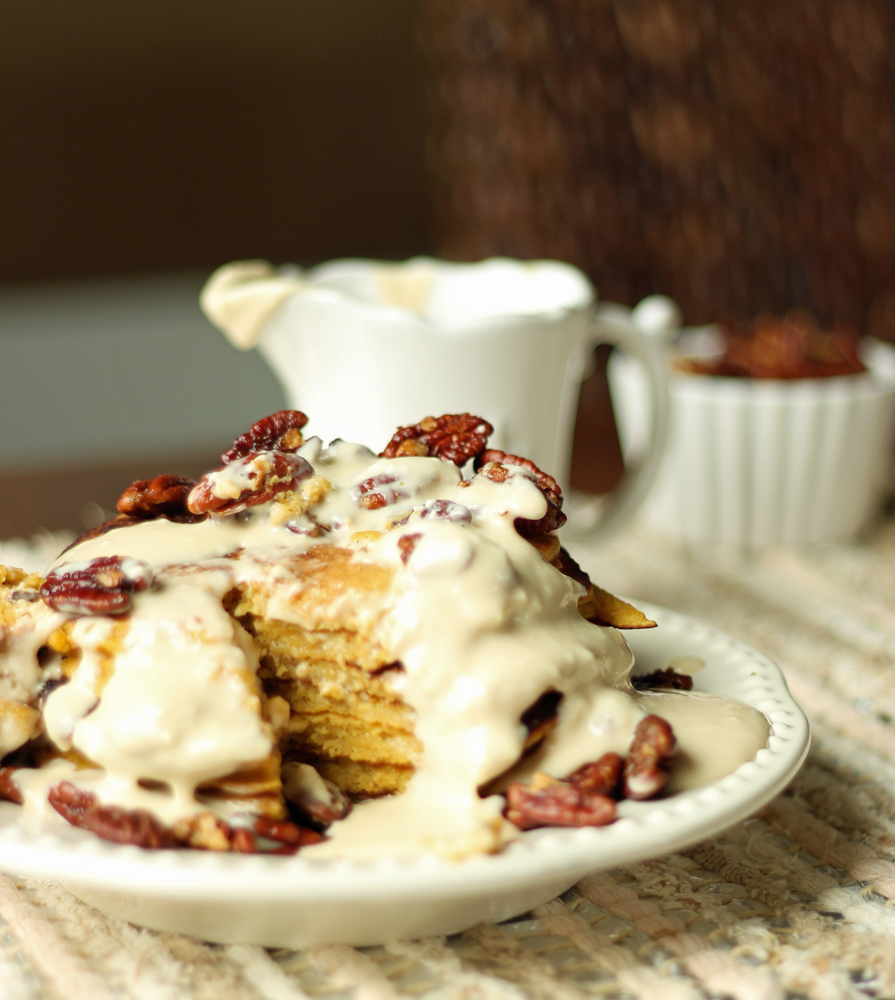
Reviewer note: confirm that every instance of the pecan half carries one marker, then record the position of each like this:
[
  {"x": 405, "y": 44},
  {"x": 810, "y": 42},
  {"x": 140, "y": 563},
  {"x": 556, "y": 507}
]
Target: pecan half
[
  {"x": 649, "y": 760},
  {"x": 103, "y": 586},
  {"x": 123, "y": 826},
  {"x": 453, "y": 437},
  {"x": 600, "y": 777},
  {"x": 247, "y": 482},
  {"x": 554, "y": 517},
  {"x": 548, "y": 802},
  {"x": 149, "y": 498},
  {"x": 280, "y": 431},
  {"x": 205, "y": 831},
  {"x": 378, "y": 491}
]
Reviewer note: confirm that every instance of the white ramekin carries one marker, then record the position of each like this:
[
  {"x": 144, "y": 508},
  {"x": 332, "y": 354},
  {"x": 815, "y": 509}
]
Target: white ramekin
[{"x": 753, "y": 463}]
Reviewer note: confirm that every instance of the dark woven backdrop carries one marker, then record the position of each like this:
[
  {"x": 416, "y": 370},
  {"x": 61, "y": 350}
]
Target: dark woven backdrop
[{"x": 737, "y": 156}]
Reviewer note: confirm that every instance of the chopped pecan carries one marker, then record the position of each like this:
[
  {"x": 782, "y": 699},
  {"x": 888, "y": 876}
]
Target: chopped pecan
[
  {"x": 548, "y": 802},
  {"x": 600, "y": 777},
  {"x": 9, "y": 790},
  {"x": 453, "y": 437},
  {"x": 406, "y": 545},
  {"x": 261, "y": 835},
  {"x": 148, "y": 498},
  {"x": 103, "y": 586},
  {"x": 554, "y": 517},
  {"x": 445, "y": 510},
  {"x": 659, "y": 679},
  {"x": 247, "y": 482},
  {"x": 280, "y": 431},
  {"x": 28, "y": 596},
  {"x": 649, "y": 760},
  {"x": 378, "y": 491}
]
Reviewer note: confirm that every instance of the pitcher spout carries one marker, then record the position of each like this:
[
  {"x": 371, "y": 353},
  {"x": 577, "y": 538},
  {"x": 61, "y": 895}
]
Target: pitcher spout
[{"x": 240, "y": 298}]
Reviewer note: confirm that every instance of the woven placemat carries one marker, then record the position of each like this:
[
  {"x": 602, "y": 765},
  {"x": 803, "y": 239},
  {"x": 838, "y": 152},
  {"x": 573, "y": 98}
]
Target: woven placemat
[{"x": 794, "y": 902}]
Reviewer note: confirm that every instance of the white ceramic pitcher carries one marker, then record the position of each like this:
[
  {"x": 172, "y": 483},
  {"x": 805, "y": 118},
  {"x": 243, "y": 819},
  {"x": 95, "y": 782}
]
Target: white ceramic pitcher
[{"x": 363, "y": 347}]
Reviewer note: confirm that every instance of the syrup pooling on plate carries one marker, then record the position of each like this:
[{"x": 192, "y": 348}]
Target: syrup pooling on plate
[{"x": 167, "y": 696}]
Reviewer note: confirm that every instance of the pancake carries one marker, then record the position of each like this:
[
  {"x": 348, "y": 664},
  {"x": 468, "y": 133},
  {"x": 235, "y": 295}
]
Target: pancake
[{"x": 320, "y": 647}]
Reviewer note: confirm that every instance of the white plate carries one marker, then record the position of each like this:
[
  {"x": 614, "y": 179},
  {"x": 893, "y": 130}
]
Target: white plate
[{"x": 291, "y": 902}]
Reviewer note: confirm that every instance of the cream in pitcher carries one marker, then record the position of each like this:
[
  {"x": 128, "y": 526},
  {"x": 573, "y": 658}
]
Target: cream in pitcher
[{"x": 361, "y": 344}]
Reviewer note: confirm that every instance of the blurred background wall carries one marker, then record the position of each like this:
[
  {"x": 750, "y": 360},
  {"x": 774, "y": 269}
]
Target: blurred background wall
[
  {"x": 141, "y": 146},
  {"x": 739, "y": 157},
  {"x": 146, "y": 137}
]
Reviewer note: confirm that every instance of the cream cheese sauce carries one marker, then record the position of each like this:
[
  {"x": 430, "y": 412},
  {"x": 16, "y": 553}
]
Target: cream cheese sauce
[{"x": 481, "y": 623}]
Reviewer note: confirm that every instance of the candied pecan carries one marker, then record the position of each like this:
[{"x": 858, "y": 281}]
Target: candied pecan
[
  {"x": 103, "y": 586},
  {"x": 667, "y": 679},
  {"x": 148, "y": 498},
  {"x": 283, "y": 836},
  {"x": 496, "y": 472},
  {"x": 291, "y": 836},
  {"x": 280, "y": 431},
  {"x": 141, "y": 829},
  {"x": 554, "y": 517},
  {"x": 453, "y": 437},
  {"x": 9, "y": 790},
  {"x": 600, "y": 777},
  {"x": 249, "y": 481},
  {"x": 648, "y": 764},
  {"x": 546, "y": 802},
  {"x": 82, "y": 809}
]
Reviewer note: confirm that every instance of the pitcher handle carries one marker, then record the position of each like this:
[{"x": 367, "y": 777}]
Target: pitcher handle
[{"x": 642, "y": 333}]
